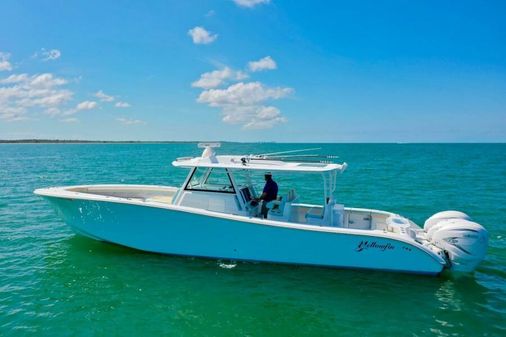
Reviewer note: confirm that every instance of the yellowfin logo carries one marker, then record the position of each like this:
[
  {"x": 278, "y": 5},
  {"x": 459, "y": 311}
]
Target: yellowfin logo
[{"x": 364, "y": 245}]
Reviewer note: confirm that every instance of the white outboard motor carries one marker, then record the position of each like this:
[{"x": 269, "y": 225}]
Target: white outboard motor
[{"x": 464, "y": 241}]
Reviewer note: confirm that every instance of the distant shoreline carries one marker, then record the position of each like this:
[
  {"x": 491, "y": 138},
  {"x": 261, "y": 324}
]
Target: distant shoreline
[{"x": 70, "y": 141}]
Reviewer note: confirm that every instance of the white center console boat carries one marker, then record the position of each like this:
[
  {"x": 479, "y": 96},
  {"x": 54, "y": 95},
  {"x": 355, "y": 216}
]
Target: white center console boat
[{"x": 213, "y": 214}]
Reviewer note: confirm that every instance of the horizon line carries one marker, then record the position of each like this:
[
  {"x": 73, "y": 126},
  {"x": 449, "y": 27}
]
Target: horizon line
[{"x": 84, "y": 141}]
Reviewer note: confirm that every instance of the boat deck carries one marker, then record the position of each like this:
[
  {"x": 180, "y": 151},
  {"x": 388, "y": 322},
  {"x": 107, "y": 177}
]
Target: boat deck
[
  {"x": 160, "y": 194},
  {"x": 352, "y": 218},
  {"x": 164, "y": 199}
]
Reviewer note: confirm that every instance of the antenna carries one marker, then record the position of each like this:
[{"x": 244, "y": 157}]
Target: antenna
[{"x": 291, "y": 151}]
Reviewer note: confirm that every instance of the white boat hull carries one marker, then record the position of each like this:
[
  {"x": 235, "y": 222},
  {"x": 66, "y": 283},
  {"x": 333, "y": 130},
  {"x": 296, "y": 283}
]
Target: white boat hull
[{"x": 168, "y": 229}]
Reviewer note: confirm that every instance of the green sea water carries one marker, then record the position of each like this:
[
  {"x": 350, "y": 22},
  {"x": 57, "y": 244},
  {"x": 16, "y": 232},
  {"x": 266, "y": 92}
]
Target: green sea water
[{"x": 54, "y": 283}]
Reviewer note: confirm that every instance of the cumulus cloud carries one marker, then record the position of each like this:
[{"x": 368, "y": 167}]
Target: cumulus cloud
[
  {"x": 47, "y": 80},
  {"x": 103, "y": 96},
  {"x": 215, "y": 78},
  {"x": 21, "y": 93},
  {"x": 122, "y": 105},
  {"x": 243, "y": 103},
  {"x": 47, "y": 55},
  {"x": 128, "y": 121},
  {"x": 5, "y": 65},
  {"x": 265, "y": 117},
  {"x": 82, "y": 106},
  {"x": 86, "y": 105},
  {"x": 250, "y": 3},
  {"x": 242, "y": 94},
  {"x": 69, "y": 120},
  {"x": 200, "y": 35},
  {"x": 15, "y": 78},
  {"x": 50, "y": 55},
  {"x": 266, "y": 63}
]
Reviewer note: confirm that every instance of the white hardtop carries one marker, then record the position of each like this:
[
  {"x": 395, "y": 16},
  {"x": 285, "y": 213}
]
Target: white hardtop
[{"x": 254, "y": 162}]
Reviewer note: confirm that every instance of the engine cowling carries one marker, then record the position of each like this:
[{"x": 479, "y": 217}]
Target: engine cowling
[
  {"x": 464, "y": 241},
  {"x": 434, "y": 219}
]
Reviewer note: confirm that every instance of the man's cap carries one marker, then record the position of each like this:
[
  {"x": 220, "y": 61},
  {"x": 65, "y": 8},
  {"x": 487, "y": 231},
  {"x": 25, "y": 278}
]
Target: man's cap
[{"x": 267, "y": 174}]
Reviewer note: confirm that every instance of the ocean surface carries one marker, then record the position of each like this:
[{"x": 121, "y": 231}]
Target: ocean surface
[{"x": 54, "y": 283}]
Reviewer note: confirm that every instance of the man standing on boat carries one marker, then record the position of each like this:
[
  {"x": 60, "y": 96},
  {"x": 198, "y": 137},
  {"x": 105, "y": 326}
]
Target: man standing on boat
[{"x": 269, "y": 193}]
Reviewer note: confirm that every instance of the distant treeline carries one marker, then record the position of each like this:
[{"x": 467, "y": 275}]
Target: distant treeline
[{"x": 56, "y": 141}]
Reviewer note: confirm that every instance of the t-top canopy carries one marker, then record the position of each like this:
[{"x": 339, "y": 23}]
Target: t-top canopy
[
  {"x": 263, "y": 162},
  {"x": 256, "y": 163}
]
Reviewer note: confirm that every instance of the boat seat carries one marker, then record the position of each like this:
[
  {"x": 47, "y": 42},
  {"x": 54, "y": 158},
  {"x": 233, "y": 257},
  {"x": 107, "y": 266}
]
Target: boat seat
[
  {"x": 322, "y": 216},
  {"x": 315, "y": 213},
  {"x": 278, "y": 207},
  {"x": 253, "y": 210}
]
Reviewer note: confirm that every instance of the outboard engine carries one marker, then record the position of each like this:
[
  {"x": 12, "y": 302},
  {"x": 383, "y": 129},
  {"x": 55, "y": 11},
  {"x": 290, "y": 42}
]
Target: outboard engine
[{"x": 463, "y": 241}]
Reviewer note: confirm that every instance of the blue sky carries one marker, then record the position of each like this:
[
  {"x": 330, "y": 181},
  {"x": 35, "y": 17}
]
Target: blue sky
[{"x": 254, "y": 70}]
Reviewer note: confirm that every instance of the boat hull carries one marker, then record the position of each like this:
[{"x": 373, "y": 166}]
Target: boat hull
[{"x": 182, "y": 232}]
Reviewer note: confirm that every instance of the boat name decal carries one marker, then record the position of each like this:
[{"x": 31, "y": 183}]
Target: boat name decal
[{"x": 364, "y": 245}]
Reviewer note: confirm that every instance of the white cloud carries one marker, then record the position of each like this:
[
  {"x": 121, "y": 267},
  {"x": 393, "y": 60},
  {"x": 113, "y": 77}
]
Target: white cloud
[
  {"x": 212, "y": 12},
  {"x": 243, "y": 103},
  {"x": 14, "y": 78},
  {"x": 103, "y": 96},
  {"x": 53, "y": 111},
  {"x": 81, "y": 106},
  {"x": 15, "y": 117},
  {"x": 242, "y": 94},
  {"x": 250, "y": 3},
  {"x": 69, "y": 120},
  {"x": 47, "y": 55},
  {"x": 215, "y": 78},
  {"x": 200, "y": 35},
  {"x": 5, "y": 65},
  {"x": 108, "y": 98},
  {"x": 128, "y": 121},
  {"x": 86, "y": 105},
  {"x": 22, "y": 93},
  {"x": 265, "y": 117},
  {"x": 47, "y": 80},
  {"x": 266, "y": 63},
  {"x": 122, "y": 105},
  {"x": 50, "y": 55}
]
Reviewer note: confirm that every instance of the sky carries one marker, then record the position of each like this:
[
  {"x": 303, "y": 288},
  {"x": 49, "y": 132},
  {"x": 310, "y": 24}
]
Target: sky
[{"x": 254, "y": 70}]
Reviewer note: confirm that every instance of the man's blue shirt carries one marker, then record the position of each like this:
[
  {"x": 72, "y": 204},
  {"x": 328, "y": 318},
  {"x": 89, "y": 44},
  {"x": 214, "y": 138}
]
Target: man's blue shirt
[{"x": 271, "y": 190}]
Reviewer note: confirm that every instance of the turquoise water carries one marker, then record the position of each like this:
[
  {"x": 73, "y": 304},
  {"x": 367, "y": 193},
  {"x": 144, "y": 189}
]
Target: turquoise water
[{"x": 54, "y": 283}]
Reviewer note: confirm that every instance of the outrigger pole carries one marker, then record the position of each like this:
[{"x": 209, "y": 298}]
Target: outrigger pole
[{"x": 291, "y": 151}]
